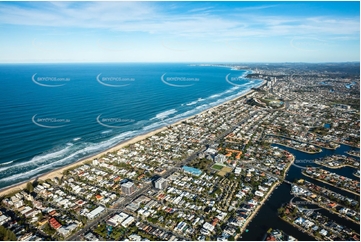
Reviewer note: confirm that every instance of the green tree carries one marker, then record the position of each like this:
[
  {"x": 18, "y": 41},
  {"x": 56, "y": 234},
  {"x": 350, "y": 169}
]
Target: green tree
[
  {"x": 7, "y": 235},
  {"x": 280, "y": 210},
  {"x": 29, "y": 187},
  {"x": 40, "y": 216}
]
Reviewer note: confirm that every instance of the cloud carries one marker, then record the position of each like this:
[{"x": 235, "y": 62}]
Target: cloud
[
  {"x": 153, "y": 18},
  {"x": 202, "y": 10},
  {"x": 254, "y": 8},
  {"x": 170, "y": 28}
]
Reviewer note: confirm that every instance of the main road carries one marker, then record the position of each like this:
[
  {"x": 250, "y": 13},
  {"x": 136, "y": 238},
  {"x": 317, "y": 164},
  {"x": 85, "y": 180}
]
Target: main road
[{"x": 120, "y": 204}]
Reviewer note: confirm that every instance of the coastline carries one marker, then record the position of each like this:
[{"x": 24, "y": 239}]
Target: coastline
[
  {"x": 330, "y": 210},
  {"x": 336, "y": 167},
  {"x": 300, "y": 228},
  {"x": 333, "y": 185},
  {"x": 274, "y": 186},
  {"x": 319, "y": 146},
  {"x": 58, "y": 172},
  {"x": 255, "y": 212},
  {"x": 308, "y": 152}
]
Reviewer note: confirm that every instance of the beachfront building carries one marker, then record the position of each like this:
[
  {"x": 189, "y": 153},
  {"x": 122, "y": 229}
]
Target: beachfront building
[
  {"x": 161, "y": 183},
  {"x": 128, "y": 188},
  {"x": 192, "y": 170}
]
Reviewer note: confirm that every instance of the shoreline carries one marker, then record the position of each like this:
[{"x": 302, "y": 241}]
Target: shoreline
[
  {"x": 330, "y": 210},
  {"x": 255, "y": 212},
  {"x": 58, "y": 172},
  {"x": 300, "y": 228},
  {"x": 341, "y": 188},
  {"x": 307, "y": 152},
  {"x": 264, "y": 200},
  {"x": 336, "y": 167},
  {"x": 319, "y": 146},
  {"x": 357, "y": 147},
  {"x": 354, "y": 155}
]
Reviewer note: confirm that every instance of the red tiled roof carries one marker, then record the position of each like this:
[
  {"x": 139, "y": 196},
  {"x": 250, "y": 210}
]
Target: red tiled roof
[
  {"x": 54, "y": 223},
  {"x": 215, "y": 221},
  {"x": 271, "y": 238},
  {"x": 52, "y": 213}
]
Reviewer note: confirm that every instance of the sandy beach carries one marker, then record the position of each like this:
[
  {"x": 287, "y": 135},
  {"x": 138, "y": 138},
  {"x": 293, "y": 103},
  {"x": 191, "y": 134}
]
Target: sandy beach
[{"x": 59, "y": 172}]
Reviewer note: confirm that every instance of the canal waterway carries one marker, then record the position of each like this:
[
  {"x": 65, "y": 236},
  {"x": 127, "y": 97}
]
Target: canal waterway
[{"x": 267, "y": 216}]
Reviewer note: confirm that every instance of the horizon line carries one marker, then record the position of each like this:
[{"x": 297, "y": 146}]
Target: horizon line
[{"x": 182, "y": 62}]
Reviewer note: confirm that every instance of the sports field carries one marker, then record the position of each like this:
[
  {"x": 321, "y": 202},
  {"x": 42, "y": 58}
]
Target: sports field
[{"x": 217, "y": 167}]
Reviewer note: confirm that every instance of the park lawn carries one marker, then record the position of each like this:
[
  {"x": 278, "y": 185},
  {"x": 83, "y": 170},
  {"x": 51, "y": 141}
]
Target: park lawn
[{"x": 217, "y": 167}]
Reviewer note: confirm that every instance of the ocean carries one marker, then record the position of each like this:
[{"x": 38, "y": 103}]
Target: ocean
[{"x": 56, "y": 114}]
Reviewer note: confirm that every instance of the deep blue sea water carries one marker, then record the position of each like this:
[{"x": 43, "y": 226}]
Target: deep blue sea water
[{"x": 56, "y": 114}]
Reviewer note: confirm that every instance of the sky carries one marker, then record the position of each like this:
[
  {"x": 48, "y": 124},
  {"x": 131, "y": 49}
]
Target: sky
[{"x": 67, "y": 32}]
